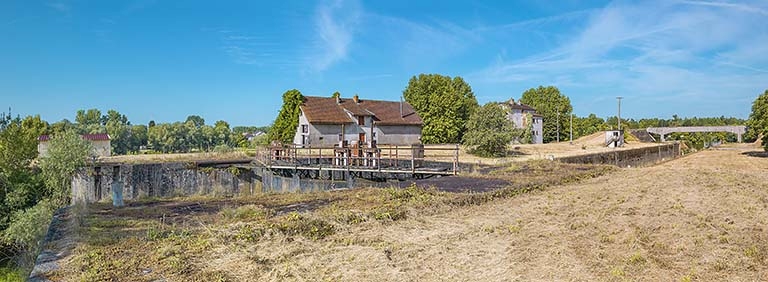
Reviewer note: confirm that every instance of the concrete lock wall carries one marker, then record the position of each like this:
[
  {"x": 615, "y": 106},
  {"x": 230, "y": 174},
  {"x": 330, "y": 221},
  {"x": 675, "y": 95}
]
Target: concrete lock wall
[
  {"x": 180, "y": 179},
  {"x": 160, "y": 180},
  {"x": 629, "y": 158}
]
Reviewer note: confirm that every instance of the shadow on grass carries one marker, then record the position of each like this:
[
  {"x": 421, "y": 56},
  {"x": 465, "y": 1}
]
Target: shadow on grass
[{"x": 756, "y": 154}]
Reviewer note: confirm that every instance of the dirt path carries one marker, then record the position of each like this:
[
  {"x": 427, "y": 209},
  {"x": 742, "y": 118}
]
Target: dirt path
[{"x": 700, "y": 218}]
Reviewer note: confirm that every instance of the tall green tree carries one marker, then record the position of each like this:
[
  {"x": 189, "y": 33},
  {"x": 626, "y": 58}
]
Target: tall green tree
[
  {"x": 443, "y": 103},
  {"x": 758, "y": 120},
  {"x": 489, "y": 131},
  {"x": 287, "y": 120},
  {"x": 89, "y": 117},
  {"x": 119, "y": 129},
  {"x": 548, "y": 102},
  {"x": 138, "y": 137},
  {"x": 20, "y": 185},
  {"x": 67, "y": 153}
]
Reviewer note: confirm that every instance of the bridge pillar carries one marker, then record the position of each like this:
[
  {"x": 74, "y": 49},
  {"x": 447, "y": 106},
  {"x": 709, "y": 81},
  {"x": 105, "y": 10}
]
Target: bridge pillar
[
  {"x": 662, "y": 138},
  {"x": 738, "y": 137}
]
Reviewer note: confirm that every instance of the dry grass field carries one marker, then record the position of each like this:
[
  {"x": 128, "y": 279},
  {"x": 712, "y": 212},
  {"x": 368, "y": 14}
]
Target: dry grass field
[{"x": 700, "y": 218}]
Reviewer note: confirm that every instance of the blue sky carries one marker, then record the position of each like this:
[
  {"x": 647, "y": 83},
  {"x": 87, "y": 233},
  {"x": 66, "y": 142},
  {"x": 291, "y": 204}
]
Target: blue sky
[{"x": 232, "y": 60}]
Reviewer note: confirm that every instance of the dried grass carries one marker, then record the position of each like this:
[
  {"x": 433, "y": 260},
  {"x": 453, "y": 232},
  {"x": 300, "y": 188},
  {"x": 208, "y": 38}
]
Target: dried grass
[{"x": 700, "y": 218}]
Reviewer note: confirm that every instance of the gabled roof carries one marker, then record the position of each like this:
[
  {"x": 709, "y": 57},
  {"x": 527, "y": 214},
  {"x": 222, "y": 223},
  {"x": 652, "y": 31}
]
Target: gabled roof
[
  {"x": 90, "y": 137},
  {"x": 324, "y": 110},
  {"x": 520, "y": 106}
]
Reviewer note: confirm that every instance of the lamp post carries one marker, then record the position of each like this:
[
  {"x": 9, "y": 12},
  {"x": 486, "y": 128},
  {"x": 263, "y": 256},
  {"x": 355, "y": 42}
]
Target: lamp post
[
  {"x": 619, "y": 115},
  {"x": 558, "y": 126},
  {"x": 571, "y": 128}
]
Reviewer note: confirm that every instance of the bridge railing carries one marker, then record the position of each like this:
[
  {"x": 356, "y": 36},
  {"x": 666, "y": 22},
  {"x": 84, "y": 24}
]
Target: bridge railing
[{"x": 392, "y": 157}]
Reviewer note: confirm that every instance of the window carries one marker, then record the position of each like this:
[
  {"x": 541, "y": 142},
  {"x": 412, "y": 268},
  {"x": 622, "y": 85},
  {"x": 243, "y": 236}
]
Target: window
[
  {"x": 341, "y": 137},
  {"x": 304, "y": 128},
  {"x": 373, "y": 135},
  {"x": 361, "y": 120}
]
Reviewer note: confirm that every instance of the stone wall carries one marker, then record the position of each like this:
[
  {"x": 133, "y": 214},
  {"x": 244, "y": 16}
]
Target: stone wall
[
  {"x": 629, "y": 158},
  {"x": 162, "y": 180},
  {"x": 95, "y": 184}
]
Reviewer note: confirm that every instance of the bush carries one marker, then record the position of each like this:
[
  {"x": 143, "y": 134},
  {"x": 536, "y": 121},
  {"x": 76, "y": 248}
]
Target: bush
[
  {"x": 223, "y": 148},
  {"x": 488, "y": 131},
  {"x": 10, "y": 275},
  {"x": 27, "y": 230}
]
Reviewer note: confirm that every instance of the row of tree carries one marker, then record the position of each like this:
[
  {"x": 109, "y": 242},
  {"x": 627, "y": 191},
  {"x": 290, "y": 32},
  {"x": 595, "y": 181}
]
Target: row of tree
[
  {"x": 177, "y": 137},
  {"x": 451, "y": 115},
  {"x": 447, "y": 105}
]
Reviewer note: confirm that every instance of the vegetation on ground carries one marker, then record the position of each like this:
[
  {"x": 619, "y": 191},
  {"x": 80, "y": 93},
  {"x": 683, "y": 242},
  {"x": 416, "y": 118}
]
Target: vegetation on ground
[
  {"x": 31, "y": 189},
  {"x": 632, "y": 224},
  {"x": 178, "y": 239}
]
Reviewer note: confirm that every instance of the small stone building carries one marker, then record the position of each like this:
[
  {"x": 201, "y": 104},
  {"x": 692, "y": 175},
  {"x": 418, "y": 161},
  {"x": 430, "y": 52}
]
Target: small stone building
[
  {"x": 101, "y": 145},
  {"x": 329, "y": 121}
]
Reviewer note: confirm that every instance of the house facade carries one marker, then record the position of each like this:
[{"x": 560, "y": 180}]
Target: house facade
[
  {"x": 518, "y": 113},
  {"x": 100, "y": 144},
  {"x": 329, "y": 121}
]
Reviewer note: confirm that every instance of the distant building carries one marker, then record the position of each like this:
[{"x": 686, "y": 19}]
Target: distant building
[
  {"x": 328, "y": 121},
  {"x": 614, "y": 138},
  {"x": 517, "y": 112},
  {"x": 250, "y": 136},
  {"x": 101, "y": 146}
]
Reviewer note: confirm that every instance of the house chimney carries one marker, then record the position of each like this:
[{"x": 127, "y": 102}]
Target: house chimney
[
  {"x": 357, "y": 99},
  {"x": 338, "y": 100},
  {"x": 401, "y": 106}
]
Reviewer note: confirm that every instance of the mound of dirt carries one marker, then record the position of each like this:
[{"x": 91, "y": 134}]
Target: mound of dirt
[{"x": 594, "y": 139}]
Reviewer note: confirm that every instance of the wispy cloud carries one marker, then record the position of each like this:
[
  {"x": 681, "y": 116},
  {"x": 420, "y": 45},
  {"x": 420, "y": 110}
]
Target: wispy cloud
[
  {"x": 60, "y": 7},
  {"x": 694, "y": 52},
  {"x": 247, "y": 49},
  {"x": 738, "y": 6},
  {"x": 335, "y": 23}
]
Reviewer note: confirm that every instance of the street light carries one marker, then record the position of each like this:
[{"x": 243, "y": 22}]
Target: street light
[
  {"x": 571, "y": 128},
  {"x": 558, "y": 126},
  {"x": 619, "y": 115}
]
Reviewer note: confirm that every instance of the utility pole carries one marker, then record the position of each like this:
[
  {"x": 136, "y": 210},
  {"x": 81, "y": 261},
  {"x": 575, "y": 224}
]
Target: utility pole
[
  {"x": 558, "y": 126},
  {"x": 619, "y": 116},
  {"x": 571, "y": 128}
]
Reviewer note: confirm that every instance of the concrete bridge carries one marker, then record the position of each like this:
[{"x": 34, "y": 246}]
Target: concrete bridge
[{"x": 736, "y": 129}]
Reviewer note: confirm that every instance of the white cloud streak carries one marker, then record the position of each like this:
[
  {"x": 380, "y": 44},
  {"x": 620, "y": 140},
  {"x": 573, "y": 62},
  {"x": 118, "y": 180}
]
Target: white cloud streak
[
  {"x": 689, "y": 53},
  {"x": 335, "y": 24}
]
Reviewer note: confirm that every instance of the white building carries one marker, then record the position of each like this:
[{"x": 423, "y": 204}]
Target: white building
[
  {"x": 327, "y": 121},
  {"x": 518, "y": 113},
  {"x": 100, "y": 144}
]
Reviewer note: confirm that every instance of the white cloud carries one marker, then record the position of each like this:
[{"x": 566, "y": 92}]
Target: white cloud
[
  {"x": 335, "y": 24},
  {"x": 60, "y": 6},
  {"x": 689, "y": 53}
]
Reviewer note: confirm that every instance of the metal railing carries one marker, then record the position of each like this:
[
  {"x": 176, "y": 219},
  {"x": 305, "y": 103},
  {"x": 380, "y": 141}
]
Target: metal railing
[{"x": 384, "y": 158}]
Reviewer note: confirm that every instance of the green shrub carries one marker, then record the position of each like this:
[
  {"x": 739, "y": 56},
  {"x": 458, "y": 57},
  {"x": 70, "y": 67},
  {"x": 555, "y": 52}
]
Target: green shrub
[
  {"x": 222, "y": 148},
  {"x": 27, "y": 230},
  {"x": 10, "y": 274},
  {"x": 297, "y": 224}
]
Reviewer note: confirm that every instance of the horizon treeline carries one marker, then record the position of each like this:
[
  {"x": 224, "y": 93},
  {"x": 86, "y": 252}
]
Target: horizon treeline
[{"x": 190, "y": 135}]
